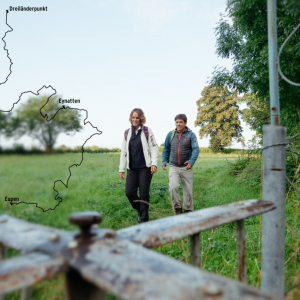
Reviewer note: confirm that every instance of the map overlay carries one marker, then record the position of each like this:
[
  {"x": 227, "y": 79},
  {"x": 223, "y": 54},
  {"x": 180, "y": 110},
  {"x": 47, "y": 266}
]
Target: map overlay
[{"x": 47, "y": 119}]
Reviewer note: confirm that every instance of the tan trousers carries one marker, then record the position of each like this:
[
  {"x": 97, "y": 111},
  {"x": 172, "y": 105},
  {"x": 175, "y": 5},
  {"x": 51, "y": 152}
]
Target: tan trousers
[{"x": 186, "y": 176}]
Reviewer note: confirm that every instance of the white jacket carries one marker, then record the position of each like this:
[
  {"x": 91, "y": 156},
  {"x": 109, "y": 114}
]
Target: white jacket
[{"x": 150, "y": 150}]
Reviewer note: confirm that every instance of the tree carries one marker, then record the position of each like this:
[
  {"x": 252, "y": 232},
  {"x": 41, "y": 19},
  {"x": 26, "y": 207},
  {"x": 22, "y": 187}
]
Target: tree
[
  {"x": 257, "y": 114},
  {"x": 29, "y": 120},
  {"x": 3, "y": 124},
  {"x": 244, "y": 39},
  {"x": 218, "y": 116}
]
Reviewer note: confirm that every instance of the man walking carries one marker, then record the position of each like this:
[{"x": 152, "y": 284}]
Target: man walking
[{"x": 181, "y": 151}]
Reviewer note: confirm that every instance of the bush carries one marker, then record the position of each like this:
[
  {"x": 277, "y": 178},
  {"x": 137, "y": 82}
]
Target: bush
[
  {"x": 207, "y": 150},
  {"x": 292, "y": 164},
  {"x": 62, "y": 149},
  {"x": 96, "y": 149},
  {"x": 247, "y": 169},
  {"x": 20, "y": 149},
  {"x": 238, "y": 166},
  {"x": 77, "y": 149},
  {"x": 252, "y": 173},
  {"x": 204, "y": 150}
]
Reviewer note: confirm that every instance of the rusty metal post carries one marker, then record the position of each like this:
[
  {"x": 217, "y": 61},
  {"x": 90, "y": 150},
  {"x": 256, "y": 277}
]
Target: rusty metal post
[
  {"x": 273, "y": 63},
  {"x": 241, "y": 251},
  {"x": 2, "y": 257},
  {"x": 78, "y": 288},
  {"x": 26, "y": 293},
  {"x": 195, "y": 250}
]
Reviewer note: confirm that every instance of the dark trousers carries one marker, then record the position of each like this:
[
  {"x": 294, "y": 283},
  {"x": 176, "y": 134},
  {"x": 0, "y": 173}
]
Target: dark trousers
[{"x": 139, "y": 179}]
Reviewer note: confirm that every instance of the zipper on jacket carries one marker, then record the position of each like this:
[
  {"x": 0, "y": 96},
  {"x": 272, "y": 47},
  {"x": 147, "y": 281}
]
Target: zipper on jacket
[
  {"x": 179, "y": 136},
  {"x": 128, "y": 149}
]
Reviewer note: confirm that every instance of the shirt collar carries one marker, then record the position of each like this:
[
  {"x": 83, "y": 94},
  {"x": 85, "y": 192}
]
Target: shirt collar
[{"x": 133, "y": 128}]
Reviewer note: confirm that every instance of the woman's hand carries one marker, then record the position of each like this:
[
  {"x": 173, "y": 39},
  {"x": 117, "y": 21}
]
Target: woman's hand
[
  {"x": 121, "y": 174},
  {"x": 153, "y": 169}
]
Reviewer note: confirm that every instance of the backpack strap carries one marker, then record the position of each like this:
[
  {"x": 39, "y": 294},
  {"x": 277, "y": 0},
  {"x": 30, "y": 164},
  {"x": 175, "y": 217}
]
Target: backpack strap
[
  {"x": 126, "y": 134},
  {"x": 146, "y": 132},
  {"x": 172, "y": 135}
]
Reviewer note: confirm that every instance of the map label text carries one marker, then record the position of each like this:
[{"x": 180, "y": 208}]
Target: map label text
[
  {"x": 11, "y": 199},
  {"x": 63, "y": 101},
  {"x": 28, "y": 8}
]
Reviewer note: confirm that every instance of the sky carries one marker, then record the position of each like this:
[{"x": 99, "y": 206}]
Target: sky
[{"x": 113, "y": 55}]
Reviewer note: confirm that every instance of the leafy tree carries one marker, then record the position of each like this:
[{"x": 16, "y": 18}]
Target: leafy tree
[
  {"x": 257, "y": 114},
  {"x": 3, "y": 124},
  {"x": 218, "y": 116},
  {"x": 242, "y": 35},
  {"x": 28, "y": 120}
]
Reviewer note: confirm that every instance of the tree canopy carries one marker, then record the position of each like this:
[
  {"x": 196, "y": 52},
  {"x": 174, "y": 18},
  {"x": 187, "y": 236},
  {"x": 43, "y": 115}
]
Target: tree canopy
[
  {"x": 256, "y": 115},
  {"x": 242, "y": 35},
  {"x": 27, "y": 120},
  {"x": 217, "y": 116},
  {"x": 3, "y": 124}
]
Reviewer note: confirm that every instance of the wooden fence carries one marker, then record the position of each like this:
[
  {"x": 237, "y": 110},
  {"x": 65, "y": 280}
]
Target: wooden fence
[{"x": 96, "y": 260}]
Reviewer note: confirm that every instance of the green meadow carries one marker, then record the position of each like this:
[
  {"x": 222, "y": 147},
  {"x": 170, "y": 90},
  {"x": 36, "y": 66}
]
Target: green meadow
[{"x": 95, "y": 186}]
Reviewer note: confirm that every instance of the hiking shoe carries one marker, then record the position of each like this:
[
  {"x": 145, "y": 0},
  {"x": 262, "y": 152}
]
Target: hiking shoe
[
  {"x": 187, "y": 211},
  {"x": 178, "y": 211}
]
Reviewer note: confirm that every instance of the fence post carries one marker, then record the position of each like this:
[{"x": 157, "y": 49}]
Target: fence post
[
  {"x": 273, "y": 223},
  {"x": 2, "y": 257},
  {"x": 241, "y": 251},
  {"x": 195, "y": 250},
  {"x": 77, "y": 288},
  {"x": 26, "y": 293}
]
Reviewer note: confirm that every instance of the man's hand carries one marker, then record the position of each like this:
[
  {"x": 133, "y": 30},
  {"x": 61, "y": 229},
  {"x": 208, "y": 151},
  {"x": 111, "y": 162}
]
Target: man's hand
[
  {"x": 121, "y": 174},
  {"x": 164, "y": 168},
  {"x": 188, "y": 165},
  {"x": 153, "y": 169}
]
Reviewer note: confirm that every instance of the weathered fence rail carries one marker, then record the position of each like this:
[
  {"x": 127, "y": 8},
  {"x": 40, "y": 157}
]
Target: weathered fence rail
[{"x": 97, "y": 260}]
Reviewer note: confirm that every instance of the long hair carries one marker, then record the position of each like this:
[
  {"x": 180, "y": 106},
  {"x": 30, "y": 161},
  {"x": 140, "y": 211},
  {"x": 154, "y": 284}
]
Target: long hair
[{"x": 141, "y": 115}]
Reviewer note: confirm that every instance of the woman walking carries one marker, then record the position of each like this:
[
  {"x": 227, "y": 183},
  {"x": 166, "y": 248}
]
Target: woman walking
[{"x": 140, "y": 151}]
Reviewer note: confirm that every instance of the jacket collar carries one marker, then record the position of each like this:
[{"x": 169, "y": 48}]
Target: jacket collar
[
  {"x": 133, "y": 128},
  {"x": 187, "y": 129}
]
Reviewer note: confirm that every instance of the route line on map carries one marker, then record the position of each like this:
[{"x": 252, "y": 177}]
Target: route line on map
[
  {"x": 10, "y": 71},
  {"x": 48, "y": 120}
]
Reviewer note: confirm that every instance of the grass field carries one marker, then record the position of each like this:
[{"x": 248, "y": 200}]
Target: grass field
[{"x": 95, "y": 186}]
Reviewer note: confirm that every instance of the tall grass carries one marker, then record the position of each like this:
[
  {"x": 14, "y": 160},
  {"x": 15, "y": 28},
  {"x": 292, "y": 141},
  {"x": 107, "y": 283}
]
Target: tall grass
[{"x": 95, "y": 185}]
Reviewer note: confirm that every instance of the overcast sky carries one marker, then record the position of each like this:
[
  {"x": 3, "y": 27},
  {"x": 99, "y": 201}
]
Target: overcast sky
[{"x": 114, "y": 56}]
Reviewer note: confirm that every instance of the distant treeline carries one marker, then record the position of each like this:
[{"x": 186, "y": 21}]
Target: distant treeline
[
  {"x": 92, "y": 149},
  {"x": 208, "y": 150},
  {"x": 20, "y": 149}
]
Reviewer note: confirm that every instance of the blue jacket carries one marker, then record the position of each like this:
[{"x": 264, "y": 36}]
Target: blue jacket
[{"x": 183, "y": 148}]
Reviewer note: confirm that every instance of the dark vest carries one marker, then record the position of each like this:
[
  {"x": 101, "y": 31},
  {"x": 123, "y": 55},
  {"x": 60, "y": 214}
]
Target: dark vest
[{"x": 180, "y": 149}]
